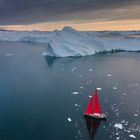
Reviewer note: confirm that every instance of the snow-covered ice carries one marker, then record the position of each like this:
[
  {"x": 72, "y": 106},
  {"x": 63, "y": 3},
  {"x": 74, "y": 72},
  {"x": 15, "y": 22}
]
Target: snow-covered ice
[{"x": 69, "y": 42}]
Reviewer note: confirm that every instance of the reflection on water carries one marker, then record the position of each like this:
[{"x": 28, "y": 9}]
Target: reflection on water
[
  {"x": 92, "y": 126},
  {"x": 50, "y": 60}
]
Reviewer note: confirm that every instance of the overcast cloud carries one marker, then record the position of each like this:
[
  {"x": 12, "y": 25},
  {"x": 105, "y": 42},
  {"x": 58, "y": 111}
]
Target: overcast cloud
[{"x": 34, "y": 11}]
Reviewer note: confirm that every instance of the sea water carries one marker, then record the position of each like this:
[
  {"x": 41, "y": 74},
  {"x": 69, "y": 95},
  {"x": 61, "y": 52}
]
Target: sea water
[{"x": 44, "y": 98}]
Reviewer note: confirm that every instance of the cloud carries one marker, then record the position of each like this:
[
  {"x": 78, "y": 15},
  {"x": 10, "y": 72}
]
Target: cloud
[
  {"x": 83, "y": 26},
  {"x": 35, "y": 11}
]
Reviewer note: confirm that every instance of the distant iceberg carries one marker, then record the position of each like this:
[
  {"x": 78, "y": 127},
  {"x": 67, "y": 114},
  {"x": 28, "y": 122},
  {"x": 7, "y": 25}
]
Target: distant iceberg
[{"x": 69, "y": 42}]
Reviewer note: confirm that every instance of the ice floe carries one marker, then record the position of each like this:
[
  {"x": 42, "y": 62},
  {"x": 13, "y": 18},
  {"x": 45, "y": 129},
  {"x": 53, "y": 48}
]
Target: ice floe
[
  {"x": 135, "y": 115},
  {"x": 90, "y": 70},
  {"x": 115, "y": 88},
  {"x": 118, "y": 125},
  {"x": 8, "y": 54},
  {"x": 75, "y": 93},
  {"x": 109, "y": 75},
  {"x": 117, "y": 138},
  {"x": 89, "y": 96},
  {"x": 69, "y": 119},
  {"x": 123, "y": 93},
  {"x": 76, "y": 105},
  {"x": 132, "y": 136},
  {"x": 81, "y": 87},
  {"x": 98, "y": 88}
]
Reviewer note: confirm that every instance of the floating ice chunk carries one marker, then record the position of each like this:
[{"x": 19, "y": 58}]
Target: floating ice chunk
[
  {"x": 77, "y": 105},
  {"x": 115, "y": 88},
  {"x": 79, "y": 132},
  {"x": 126, "y": 124},
  {"x": 99, "y": 88},
  {"x": 118, "y": 125},
  {"x": 44, "y": 53},
  {"x": 128, "y": 131},
  {"x": 117, "y": 138},
  {"x": 89, "y": 96},
  {"x": 124, "y": 93},
  {"x": 109, "y": 75},
  {"x": 117, "y": 134},
  {"x": 129, "y": 85},
  {"x": 69, "y": 119},
  {"x": 73, "y": 69},
  {"x": 90, "y": 69},
  {"x": 132, "y": 136},
  {"x": 123, "y": 121},
  {"x": 136, "y": 84},
  {"x": 135, "y": 115},
  {"x": 116, "y": 109},
  {"x": 75, "y": 93},
  {"x": 81, "y": 87},
  {"x": 8, "y": 54}
]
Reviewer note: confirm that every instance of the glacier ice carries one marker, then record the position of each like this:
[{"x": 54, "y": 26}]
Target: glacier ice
[{"x": 69, "y": 42}]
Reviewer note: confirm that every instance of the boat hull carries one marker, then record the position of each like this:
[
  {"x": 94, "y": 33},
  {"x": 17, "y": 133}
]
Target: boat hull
[{"x": 97, "y": 117}]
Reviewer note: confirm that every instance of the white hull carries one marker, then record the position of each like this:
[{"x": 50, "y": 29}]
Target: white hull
[{"x": 96, "y": 116}]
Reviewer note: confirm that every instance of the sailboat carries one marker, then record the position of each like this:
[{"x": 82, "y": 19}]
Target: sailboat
[{"x": 93, "y": 109}]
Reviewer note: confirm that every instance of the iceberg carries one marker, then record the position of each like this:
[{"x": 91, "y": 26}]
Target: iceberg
[{"x": 70, "y": 42}]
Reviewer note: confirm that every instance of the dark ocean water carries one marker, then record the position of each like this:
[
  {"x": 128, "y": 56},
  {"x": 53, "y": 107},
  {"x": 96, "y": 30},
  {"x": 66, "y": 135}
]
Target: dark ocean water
[{"x": 37, "y": 94}]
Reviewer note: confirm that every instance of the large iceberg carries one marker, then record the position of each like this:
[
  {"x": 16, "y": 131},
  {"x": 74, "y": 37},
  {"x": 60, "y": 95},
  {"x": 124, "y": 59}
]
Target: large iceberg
[{"x": 69, "y": 42}]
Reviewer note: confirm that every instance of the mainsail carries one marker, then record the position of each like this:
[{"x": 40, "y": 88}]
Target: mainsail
[
  {"x": 94, "y": 105},
  {"x": 89, "y": 109}
]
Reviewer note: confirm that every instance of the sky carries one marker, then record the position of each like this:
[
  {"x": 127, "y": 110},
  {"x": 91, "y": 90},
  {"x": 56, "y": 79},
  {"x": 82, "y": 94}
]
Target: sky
[{"x": 47, "y": 15}]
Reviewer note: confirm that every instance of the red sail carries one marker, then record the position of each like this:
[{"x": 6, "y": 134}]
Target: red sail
[
  {"x": 89, "y": 109},
  {"x": 96, "y": 104}
]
